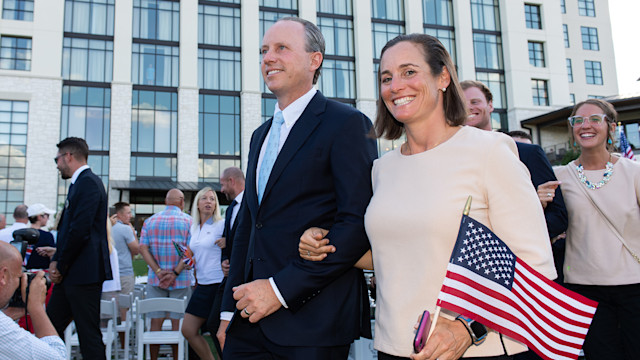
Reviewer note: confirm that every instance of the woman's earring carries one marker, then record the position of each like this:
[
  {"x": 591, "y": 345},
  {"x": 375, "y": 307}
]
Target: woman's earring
[
  {"x": 609, "y": 141},
  {"x": 575, "y": 144},
  {"x": 444, "y": 89}
]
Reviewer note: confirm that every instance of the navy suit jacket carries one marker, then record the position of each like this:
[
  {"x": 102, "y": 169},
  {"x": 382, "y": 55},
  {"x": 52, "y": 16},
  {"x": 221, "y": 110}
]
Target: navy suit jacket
[
  {"x": 320, "y": 178},
  {"x": 83, "y": 251},
  {"x": 541, "y": 171}
]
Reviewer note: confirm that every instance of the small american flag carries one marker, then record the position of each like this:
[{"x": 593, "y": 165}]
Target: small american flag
[
  {"x": 485, "y": 281},
  {"x": 27, "y": 254},
  {"x": 625, "y": 147},
  {"x": 186, "y": 254}
]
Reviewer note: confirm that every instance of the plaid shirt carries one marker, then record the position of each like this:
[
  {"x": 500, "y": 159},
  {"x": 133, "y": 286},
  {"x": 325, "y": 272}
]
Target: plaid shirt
[{"x": 158, "y": 232}]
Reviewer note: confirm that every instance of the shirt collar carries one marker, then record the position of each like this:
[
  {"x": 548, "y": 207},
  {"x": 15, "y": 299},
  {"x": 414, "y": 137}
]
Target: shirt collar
[
  {"x": 77, "y": 173},
  {"x": 292, "y": 112},
  {"x": 238, "y": 198}
]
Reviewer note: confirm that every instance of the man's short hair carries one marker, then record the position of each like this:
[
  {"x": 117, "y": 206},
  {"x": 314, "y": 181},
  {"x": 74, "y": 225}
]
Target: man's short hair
[
  {"x": 76, "y": 146},
  {"x": 120, "y": 205},
  {"x": 480, "y": 85},
  {"x": 314, "y": 40},
  {"x": 20, "y": 212},
  {"x": 520, "y": 134}
]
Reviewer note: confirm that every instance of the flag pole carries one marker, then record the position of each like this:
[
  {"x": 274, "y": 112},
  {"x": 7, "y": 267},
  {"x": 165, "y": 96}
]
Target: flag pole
[{"x": 434, "y": 320}]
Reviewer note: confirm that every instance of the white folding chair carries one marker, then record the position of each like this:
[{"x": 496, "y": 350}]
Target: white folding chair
[
  {"x": 125, "y": 301},
  {"x": 146, "y": 337},
  {"x": 108, "y": 310}
]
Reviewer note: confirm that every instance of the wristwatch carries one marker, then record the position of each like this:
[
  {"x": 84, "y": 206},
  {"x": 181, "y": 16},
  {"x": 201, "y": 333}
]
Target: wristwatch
[{"x": 477, "y": 331}]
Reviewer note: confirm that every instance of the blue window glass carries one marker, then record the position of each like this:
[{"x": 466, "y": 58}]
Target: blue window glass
[
  {"x": 93, "y": 17},
  {"x": 155, "y": 65},
  {"x": 13, "y": 150},
  {"x": 17, "y": 10},
  {"x": 87, "y": 60},
  {"x": 15, "y": 53}
]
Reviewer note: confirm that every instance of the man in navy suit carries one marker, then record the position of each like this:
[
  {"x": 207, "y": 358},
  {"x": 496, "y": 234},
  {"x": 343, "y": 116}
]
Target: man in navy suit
[
  {"x": 308, "y": 166},
  {"x": 81, "y": 262}
]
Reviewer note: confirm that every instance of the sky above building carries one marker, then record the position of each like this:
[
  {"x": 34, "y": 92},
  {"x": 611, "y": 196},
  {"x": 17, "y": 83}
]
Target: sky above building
[{"x": 624, "y": 25}]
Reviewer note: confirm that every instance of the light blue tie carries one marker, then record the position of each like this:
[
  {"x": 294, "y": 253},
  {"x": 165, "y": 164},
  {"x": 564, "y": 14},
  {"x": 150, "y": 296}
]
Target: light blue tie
[{"x": 270, "y": 154}]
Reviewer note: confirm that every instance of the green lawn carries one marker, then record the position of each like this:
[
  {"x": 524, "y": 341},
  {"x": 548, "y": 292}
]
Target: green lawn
[{"x": 139, "y": 266}]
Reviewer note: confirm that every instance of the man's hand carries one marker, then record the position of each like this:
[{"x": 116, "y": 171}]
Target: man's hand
[
  {"x": 256, "y": 300},
  {"x": 54, "y": 274},
  {"x": 167, "y": 278},
  {"x": 37, "y": 291},
  {"x": 114, "y": 219},
  {"x": 222, "y": 332},
  {"x": 225, "y": 267},
  {"x": 547, "y": 191},
  {"x": 222, "y": 243}
]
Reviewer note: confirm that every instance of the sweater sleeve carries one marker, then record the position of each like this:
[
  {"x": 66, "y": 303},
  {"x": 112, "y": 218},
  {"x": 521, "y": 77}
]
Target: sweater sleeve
[{"x": 515, "y": 212}]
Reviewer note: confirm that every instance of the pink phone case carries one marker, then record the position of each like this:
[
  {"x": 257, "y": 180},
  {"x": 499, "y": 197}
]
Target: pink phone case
[{"x": 423, "y": 332}]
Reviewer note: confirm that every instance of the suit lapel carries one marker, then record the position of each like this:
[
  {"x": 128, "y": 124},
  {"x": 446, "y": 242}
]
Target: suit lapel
[
  {"x": 252, "y": 166},
  {"x": 303, "y": 127}
]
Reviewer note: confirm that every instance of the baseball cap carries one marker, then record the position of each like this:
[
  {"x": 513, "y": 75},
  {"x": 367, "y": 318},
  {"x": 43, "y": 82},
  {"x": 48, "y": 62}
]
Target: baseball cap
[{"x": 38, "y": 209}]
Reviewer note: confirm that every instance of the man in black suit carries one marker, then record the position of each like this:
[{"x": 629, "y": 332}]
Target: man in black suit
[
  {"x": 232, "y": 181},
  {"x": 81, "y": 262},
  {"x": 308, "y": 166}
]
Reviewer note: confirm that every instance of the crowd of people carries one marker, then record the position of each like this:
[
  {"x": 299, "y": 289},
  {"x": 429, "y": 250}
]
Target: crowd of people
[{"x": 280, "y": 275}]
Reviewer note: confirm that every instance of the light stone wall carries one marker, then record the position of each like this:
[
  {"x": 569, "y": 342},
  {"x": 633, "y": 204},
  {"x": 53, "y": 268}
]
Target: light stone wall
[
  {"x": 188, "y": 134},
  {"x": 251, "y": 115}
]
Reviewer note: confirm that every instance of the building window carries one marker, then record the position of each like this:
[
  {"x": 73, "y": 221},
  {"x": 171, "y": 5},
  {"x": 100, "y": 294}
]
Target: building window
[
  {"x": 532, "y": 16},
  {"x": 219, "y": 25},
  {"x": 485, "y": 15},
  {"x": 586, "y": 8},
  {"x": 593, "y": 70},
  {"x": 15, "y": 53},
  {"x": 219, "y": 47},
  {"x": 154, "y": 130},
  {"x": 335, "y": 20},
  {"x": 86, "y": 113},
  {"x": 13, "y": 150},
  {"x": 438, "y": 22},
  {"x": 218, "y": 135},
  {"x": 93, "y": 17},
  {"x": 595, "y": 97},
  {"x": 488, "y": 51},
  {"x": 565, "y": 34},
  {"x": 536, "y": 54},
  {"x": 540, "y": 92},
  {"x": 87, "y": 60},
  {"x": 154, "y": 65},
  {"x": 156, "y": 20},
  {"x": 589, "y": 38},
  {"x": 570, "y": 70},
  {"x": 563, "y": 7},
  {"x": 219, "y": 69},
  {"x": 17, "y": 10},
  {"x": 572, "y": 99}
]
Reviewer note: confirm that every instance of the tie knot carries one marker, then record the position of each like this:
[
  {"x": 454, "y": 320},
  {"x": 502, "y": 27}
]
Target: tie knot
[{"x": 278, "y": 119}]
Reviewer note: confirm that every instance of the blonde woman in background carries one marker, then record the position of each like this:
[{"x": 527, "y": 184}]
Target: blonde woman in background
[{"x": 206, "y": 243}]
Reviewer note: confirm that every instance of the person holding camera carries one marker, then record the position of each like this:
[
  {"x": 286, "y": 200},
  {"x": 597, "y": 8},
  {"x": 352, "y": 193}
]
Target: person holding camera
[{"x": 15, "y": 342}]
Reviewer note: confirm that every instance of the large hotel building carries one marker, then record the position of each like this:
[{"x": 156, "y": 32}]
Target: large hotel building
[{"x": 168, "y": 92}]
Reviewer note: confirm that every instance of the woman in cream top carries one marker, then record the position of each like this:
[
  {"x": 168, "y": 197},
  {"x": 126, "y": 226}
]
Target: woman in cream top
[
  {"x": 419, "y": 193},
  {"x": 597, "y": 265}
]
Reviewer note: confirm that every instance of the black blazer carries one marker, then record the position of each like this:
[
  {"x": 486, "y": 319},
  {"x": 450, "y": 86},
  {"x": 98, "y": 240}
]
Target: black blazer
[
  {"x": 320, "y": 178},
  {"x": 82, "y": 249},
  {"x": 541, "y": 171}
]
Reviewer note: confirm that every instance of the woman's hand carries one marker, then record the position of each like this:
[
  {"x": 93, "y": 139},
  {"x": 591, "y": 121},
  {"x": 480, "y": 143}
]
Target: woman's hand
[
  {"x": 313, "y": 246},
  {"x": 547, "y": 191},
  {"x": 46, "y": 251},
  {"x": 448, "y": 341}
]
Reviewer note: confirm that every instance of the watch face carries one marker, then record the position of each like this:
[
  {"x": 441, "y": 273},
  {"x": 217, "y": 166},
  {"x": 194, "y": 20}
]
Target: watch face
[{"x": 478, "y": 330}]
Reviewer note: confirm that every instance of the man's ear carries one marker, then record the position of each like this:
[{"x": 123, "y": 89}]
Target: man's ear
[{"x": 316, "y": 60}]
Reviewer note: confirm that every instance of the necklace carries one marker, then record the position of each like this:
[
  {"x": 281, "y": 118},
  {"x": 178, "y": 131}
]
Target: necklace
[{"x": 608, "y": 171}]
